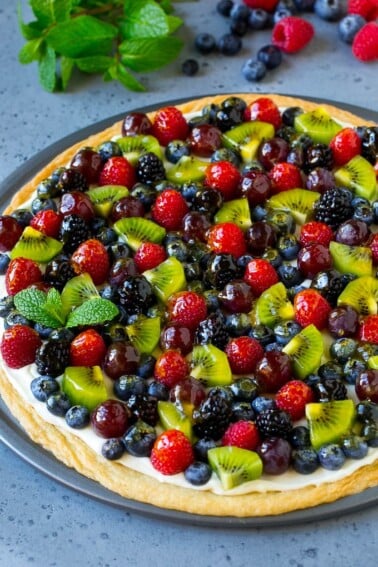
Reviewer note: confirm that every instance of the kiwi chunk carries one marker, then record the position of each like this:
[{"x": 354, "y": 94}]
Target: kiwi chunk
[
  {"x": 362, "y": 294},
  {"x": 329, "y": 421},
  {"x": 234, "y": 466},
  {"x": 318, "y": 124},
  {"x": 359, "y": 176},
  {"x": 236, "y": 211},
  {"x": 171, "y": 417},
  {"x": 135, "y": 230},
  {"x": 373, "y": 362},
  {"x": 105, "y": 196},
  {"x": 210, "y": 366},
  {"x": 273, "y": 306},
  {"x": 85, "y": 385},
  {"x": 246, "y": 138},
  {"x": 167, "y": 278},
  {"x": 144, "y": 333},
  {"x": 355, "y": 260},
  {"x": 305, "y": 350},
  {"x": 36, "y": 246},
  {"x": 76, "y": 291},
  {"x": 299, "y": 202},
  {"x": 188, "y": 169},
  {"x": 134, "y": 146}
]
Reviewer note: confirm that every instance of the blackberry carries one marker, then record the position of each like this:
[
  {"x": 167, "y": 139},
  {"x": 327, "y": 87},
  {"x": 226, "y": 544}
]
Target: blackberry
[
  {"x": 213, "y": 416},
  {"x": 71, "y": 180},
  {"x": 318, "y": 155},
  {"x": 221, "y": 269},
  {"x": 330, "y": 284},
  {"x": 52, "y": 357},
  {"x": 143, "y": 407},
  {"x": 334, "y": 207},
  {"x": 73, "y": 231},
  {"x": 136, "y": 295},
  {"x": 213, "y": 330},
  {"x": 328, "y": 389},
  {"x": 274, "y": 423},
  {"x": 58, "y": 272},
  {"x": 150, "y": 168}
]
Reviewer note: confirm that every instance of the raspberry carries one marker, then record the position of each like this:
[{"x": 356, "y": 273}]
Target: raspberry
[
  {"x": 369, "y": 329},
  {"x": 149, "y": 255},
  {"x": 118, "y": 171},
  {"x": 87, "y": 349},
  {"x": 224, "y": 177},
  {"x": 169, "y": 124},
  {"x": 368, "y": 9},
  {"x": 292, "y": 34},
  {"x": 172, "y": 452},
  {"x": 169, "y": 209},
  {"x": 92, "y": 257},
  {"x": 365, "y": 43},
  {"x": 187, "y": 308},
  {"x": 284, "y": 176},
  {"x": 345, "y": 146},
  {"x": 21, "y": 273},
  {"x": 264, "y": 109},
  {"x": 227, "y": 238},
  {"x": 243, "y": 434},
  {"x": 48, "y": 222},
  {"x": 268, "y": 5},
  {"x": 260, "y": 275},
  {"x": 311, "y": 308},
  {"x": 19, "y": 345},
  {"x": 315, "y": 232},
  {"x": 170, "y": 368},
  {"x": 243, "y": 354},
  {"x": 374, "y": 248},
  {"x": 293, "y": 397}
]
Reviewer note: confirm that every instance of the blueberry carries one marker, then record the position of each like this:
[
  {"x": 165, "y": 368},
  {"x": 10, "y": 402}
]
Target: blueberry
[
  {"x": 262, "y": 333},
  {"x": 224, "y": 7},
  {"x": 244, "y": 389},
  {"x": 202, "y": 446},
  {"x": 22, "y": 216},
  {"x": 108, "y": 150},
  {"x": 258, "y": 213},
  {"x": 4, "y": 263},
  {"x": 254, "y": 70},
  {"x": 175, "y": 150},
  {"x": 139, "y": 439},
  {"x": 367, "y": 411},
  {"x": 238, "y": 324},
  {"x": 242, "y": 411},
  {"x": 198, "y": 473},
  {"x": 178, "y": 249},
  {"x": 273, "y": 256},
  {"x": 289, "y": 275},
  {"x": 107, "y": 236},
  {"x": 331, "y": 371},
  {"x": 146, "y": 365},
  {"x": 128, "y": 385},
  {"x": 262, "y": 403},
  {"x": 42, "y": 205},
  {"x": 158, "y": 390},
  {"x": 281, "y": 13},
  {"x": 15, "y": 318},
  {"x": 299, "y": 437},
  {"x": 259, "y": 19},
  {"x": 77, "y": 417},
  {"x": 353, "y": 368},
  {"x": 43, "y": 331},
  {"x": 145, "y": 193},
  {"x": 43, "y": 386},
  {"x": 288, "y": 246},
  {"x": 304, "y": 5},
  {"x": 239, "y": 27},
  {"x": 364, "y": 212},
  {"x": 354, "y": 447},
  {"x": 331, "y": 457},
  {"x": 375, "y": 211},
  {"x": 205, "y": 43},
  {"x": 229, "y": 44},
  {"x": 285, "y": 331},
  {"x": 349, "y": 26},
  {"x": 6, "y": 305},
  {"x": 225, "y": 154},
  {"x": 369, "y": 432},
  {"x": 270, "y": 55},
  {"x": 329, "y": 10},
  {"x": 305, "y": 461},
  {"x": 239, "y": 12},
  {"x": 190, "y": 67},
  {"x": 58, "y": 404},
  {"x": 290, "y": 113},
  {"x": 342, "y": 349},
  {"x": 113, "y": 449}
]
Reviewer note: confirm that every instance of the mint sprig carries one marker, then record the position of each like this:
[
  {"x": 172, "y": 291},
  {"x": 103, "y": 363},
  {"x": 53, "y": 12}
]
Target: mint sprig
[{"x": 114, "y": 38}]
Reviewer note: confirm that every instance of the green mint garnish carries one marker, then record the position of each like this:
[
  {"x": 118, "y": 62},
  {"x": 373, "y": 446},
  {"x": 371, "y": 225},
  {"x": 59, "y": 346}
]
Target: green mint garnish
[{"x": 92, "y": 312}]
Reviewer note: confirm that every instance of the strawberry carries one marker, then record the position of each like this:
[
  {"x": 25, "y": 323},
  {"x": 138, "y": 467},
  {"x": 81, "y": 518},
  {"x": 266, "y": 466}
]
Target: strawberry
[
  {"x": 365, "y": 42},
  {"x": 268, "y": 5},
  {"x": 227, "y": 238},
  {"x": 265, "y": 110},
  {"x": 92, "y": 257},
  {"x": 19, "y": 345},
  {"x": 315, "y": 232},
  {"x": 169, "y": 124},
  {"x": 284, "y": 176},
  {"x": 369, "y": 329},
  {"x": 48, "y": 222},
  {"x": 374, "y": 248},
  {"x": 243, "y": 434},
  {"x": 368, "y": 9},
  {"x": 292, "y": 34},
  {"x": 345, "y": 145},
  {"x": 87, "y": 349},
  {"x": 187, "y": 308},
  {"x": 260, "y": 275},
  {"x": 293, "y": 397},
  {"x": 172, "y": 452},
  {"x": 169, "y": 209},
  {"x": 243, "y": 354},
  {"x": 21, "y": 273},
  {"x": 170, "y": 368},
  {"x": 224, "y": 177},
  {"x": 311, "y": 308},
  {"x": 118, "y": 171},
  {"x": 149, "y": 255}
]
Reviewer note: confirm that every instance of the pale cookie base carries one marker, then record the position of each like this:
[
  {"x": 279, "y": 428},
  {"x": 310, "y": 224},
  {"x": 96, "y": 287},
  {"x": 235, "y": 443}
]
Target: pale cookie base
[{"x": 74, "y": 453}]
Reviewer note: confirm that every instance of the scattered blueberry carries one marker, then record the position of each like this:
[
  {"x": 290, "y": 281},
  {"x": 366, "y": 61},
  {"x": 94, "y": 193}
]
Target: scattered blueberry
[
  {"x": 304, "y": 5},
  {"x": 280, "y": 14},
  {"x": 329, "y": 10},
  {"x": 349, "y": 26},
  {"x": 254, "y": 70},
  {"x": 239, "y": 27},
  {"x": 113, "y": 449},
  {"x": 229, "y": 44},
  {"x": 270, "y": 55},
  {"x": 239, "y": 12},
  {"x": 205, "y": 43},
  {"x": 259, "y": 19},
  {"x": 198, "y": 473},
  {"x": 331, "y": 457},
  {"x": 77, "y": 417},
  {"x": 190, "y": 67},
  {"x": 224, "y": 7}
]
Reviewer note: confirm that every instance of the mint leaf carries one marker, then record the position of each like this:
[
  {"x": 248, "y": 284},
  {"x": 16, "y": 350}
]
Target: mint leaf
[
  {"x": 31, "y": 51},
  {"x": 92, "y": 312},
  {"x": 174, "y": 23},
  {"x": 31, "y": 30},
  {"x": 66, "y": 67},
  {"x": 149, "y": 54},
  {"x": 47, "y": 69},
  {"x": 43, "y": 11},
  {"x": 119, "y": 73},
  {"x": 62, "y": 9},
  {"x": 94, "y": 63},
  {"x": 143, "y": 19},
  {"x": 31, "y": 303}
]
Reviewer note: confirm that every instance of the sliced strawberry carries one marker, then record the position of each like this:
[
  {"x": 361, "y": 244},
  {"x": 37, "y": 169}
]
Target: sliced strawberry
[
  {"x": 227, "y": 238},
  {"x": 118, "y": 171},
  {"x": 19, "y": 345},
  {"x": 172, "y": 452},
  {"x": 293, "y": 397},
  {"x": 21, "y": 273},
  {"x": 87, "y": 349},
  {"x": 169, "y": 124},
  {"x": 224, "y": 177},
  {"x": 243, "y": 434},
  {"x": 243, "y": 354},
  {"x": 169, "y": 209},
  {"x": 311, "y": 308},
  {"x": 260, "y": 275},
  {"x": 170, "y": 368},
  {"x": 92, "y": 257}
]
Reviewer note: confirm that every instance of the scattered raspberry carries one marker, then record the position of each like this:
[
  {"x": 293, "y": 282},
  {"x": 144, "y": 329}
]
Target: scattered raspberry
[
  {"x": 365, "y": 43},
  {"x": 224, "y": 177},
  {"x": 374, "y": 248},
  {"x": 243, "y": 354},
  {"x": 292, "y": 34},
  {"x": 47, "y": 222},
  {"x": 169, "y": 209},
  {"x": 87, "y": 349},
  {"x": 284, "y": 176},
  {"x": 92, "y": 257},
  {"x": 293, "y": 397},
  {"x": 369, "y": 329},
  {"x": 345, "y": 146},
  {"x": 311, "y": 308},
  {"x": 170, "y": 368},
  {"x": 21, "y": 273},
  {"x": 118, "y": 171},
  {"x": 243, "y": 434},
  {"x": 268, "y": 5},
  {"x": 260, "y": 275},
  {"x": 187, "y": 308},
  {"x": 149, "y": 255},
  {"x": 315, "y": 232},
  {"x": 172, "y": 452},
  {"x": 227, "y": 238},
  {"x": 264, "y": 109},
  {"x": 368, "y": 9},
  {"x": 169, "y": 124},
  {"x": 19, "y": 345}
]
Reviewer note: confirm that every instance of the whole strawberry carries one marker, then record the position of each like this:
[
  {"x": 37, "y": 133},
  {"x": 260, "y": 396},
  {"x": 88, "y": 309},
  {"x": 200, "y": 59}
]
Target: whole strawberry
[
  {"x": 169, "y": 209},
  {"x": 170, "y": 368},
  {"x": 92, "y": 257},
  {"x": 243, "y": 354},
  {"x": 311, "y": 308},
  {"x": 260, "y": 275},
  {"x": 21, "y": 273},
  {"x": 169, "y": 124},
  {"x": 243, "y": 434},
  {"x": 264, "y": 109},
  {"x": 369, "y": 329},
  {"x": 172, "y": 452},
  {"x": 48, "y": 222},
  {"x": 284, "y": 176},
  {"x": 315, "y": 232},
  {"x": 224, "y": 177},
  {"x": 87, "y": 349},
  {"x": 19, "y": 345},
  {"x": 118, "y": 171},
  {"x": 345, "y": 145},
  {"x": 365, "y": 43},
  {"x": 291, "y": 34},
  {"x": 149, "y": 255},
  {"x": 187, "y": 308},
  {"x": 227, "y": 238},
  {"x": 293, "y": 397}
]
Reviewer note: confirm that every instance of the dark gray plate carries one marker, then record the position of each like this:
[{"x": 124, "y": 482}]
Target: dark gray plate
[{"x": 14, "y": 437}]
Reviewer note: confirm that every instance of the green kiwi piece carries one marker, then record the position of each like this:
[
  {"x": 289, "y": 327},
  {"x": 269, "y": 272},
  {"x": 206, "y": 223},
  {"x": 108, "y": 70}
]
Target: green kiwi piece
[
  {"x": 362, "y": 294},
  {"x": 246, "y": 138},
  {"x": 373, "y": 362},
  {"x": 76, "y": 291},
  {"x": 85, "y": 385},
  {"x": 36, "y": 246},
  {"x": 171, "y": 417},
  {"x": 167, "y": 278},
  {"x": 105, "y": 196},
  {"x": 318, "y": 124},
  {"x": 144, "y": 333},
  {"x": 135, "y": 230},
  {"x": 355, "y": 260},
  {"x": 188, "y": 169},
  {"x": 134, "y": 146},
  {"x": 359, "y": 176},
  {"x": 210, "y": 366},
  {"x": 299, "y": 202},
  {"x": 273, "y": 306},
  {"x": 329, "y": 421},
  {"x": 305, "y": 350},
  {"x": 236, "y": 211},
  {"x": 234, "y": 466}
]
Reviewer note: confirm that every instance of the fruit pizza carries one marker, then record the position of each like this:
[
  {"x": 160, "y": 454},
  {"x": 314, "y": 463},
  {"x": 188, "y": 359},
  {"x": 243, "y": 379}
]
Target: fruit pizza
[{"x": 190, "y": 306}]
